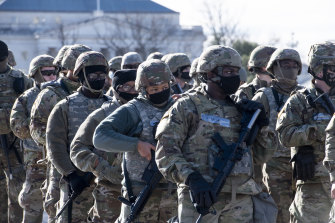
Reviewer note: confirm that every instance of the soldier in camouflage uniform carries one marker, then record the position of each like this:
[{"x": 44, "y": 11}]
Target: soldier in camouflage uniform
[
  {"x": 257, "y": 63},
  {"x": 12, "y": 83},
  {"x": 301, "y": 125},
  {"x": 285, "y": 66},
  {"x": 155, "y": 55},
  {"x": 91, "y": 68},
  {"x": 105, "y": 166},
  {"x": 131, "y": 60},
  {"x": 180, "y": 65},
  {"x": 114, "y": 65},
  {"x": 44, "y": 103},
  {"x": 41, "y": 70},
  {"x": 130, "y": 129},
  {"x": 59, "y": 58},
  {"x": 184, "y": 140}
]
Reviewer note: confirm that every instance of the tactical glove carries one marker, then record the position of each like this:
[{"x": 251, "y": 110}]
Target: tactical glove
[
  {"x": 304, "y": 166},
  {"x": 252, "y": 106},
  {"x": 77, "y": 183},
  {"x": 201, "y": 193}
]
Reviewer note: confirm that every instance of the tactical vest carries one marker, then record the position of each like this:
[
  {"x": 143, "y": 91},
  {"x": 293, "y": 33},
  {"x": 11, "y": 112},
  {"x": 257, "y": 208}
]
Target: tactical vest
[
  {"x": 150, "y": 117},
  {"x": 60, "y": 89},
  {"x": 274, "y": 108},
  {"x": 7, "y": 97},
  {"x": 200, "y": 150},
  {"x": 79, "y": 107},
  {"x": 31, "y": 95}
]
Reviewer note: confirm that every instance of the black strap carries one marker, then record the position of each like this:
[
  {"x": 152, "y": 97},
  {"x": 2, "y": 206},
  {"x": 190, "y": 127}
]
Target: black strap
[
  {"x": 279, "y": 101},
  {"x": 130, "y": 192},
  {"x": 253, "y": 89}
]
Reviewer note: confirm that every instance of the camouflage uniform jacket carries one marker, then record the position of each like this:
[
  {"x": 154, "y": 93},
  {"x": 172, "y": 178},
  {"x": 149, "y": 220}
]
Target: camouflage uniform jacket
[
  {"x": 138, "y": 118},
  {"x": 273, "y": 101},
  {"x": 8, "y": 95},
  {"x": 19, "y": 121},
  {"x": 303, "y": 122},
  {"x": 45, "y": 102},
  {"x": 105, "y": 166},
  {"x": 185, "y": 144},
  {"x": 329, "y": 160},
  {"x": 248, "y": 90},
  {"x": 63, "y": 123}
]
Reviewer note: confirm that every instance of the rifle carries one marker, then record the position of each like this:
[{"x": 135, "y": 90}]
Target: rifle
[
  {"x": 329, "y": 103},
  {"x": 88, "y": 177},
  {"x": 151, "y": 176},
  {"x": 225, "y": 163}
]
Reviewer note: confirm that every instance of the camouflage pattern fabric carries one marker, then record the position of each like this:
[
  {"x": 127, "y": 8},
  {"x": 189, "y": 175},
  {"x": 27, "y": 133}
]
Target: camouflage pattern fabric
[
  {"x": 105, "y": 166},
  {"x": 30, "y": 197},
  {"x": 131, "y": 58},
  {"x": 63, "y": 123},
  {"x": 177, "y": 60},
  {"x": 298, "y": 124},
  {"x": 41, "y": 109},
  {"x": 260, "y": 56},
  {"x": 3, "y": 197},
  {"x": 115, "y": 63},
  {"x": 14, "y": 185},
  {"x": 185, "y": 130},
  {"x": 155, "y": 55}
]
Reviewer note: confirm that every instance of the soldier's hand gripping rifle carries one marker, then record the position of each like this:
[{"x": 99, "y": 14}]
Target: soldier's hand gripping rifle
[
  {"x": 151, "y": 176},
  {"x": 87, "y": 177},
  {"x": 229, "y": 155}
]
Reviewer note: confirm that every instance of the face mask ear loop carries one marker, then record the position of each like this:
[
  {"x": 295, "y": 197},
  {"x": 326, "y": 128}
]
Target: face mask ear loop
[{"x": 88, "y": 84}]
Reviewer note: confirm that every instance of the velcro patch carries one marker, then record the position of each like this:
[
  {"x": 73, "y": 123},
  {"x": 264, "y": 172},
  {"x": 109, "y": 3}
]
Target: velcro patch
[{"x": 215, "y": 119}]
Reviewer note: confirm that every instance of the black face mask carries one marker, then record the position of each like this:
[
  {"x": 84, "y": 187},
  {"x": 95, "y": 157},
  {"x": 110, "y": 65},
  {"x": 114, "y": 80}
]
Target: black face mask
[
  {"x": 127, "y": 96},
  {"x": 97, "y": 84},
  {"x": 229, "y": 84},
  {"x": 160, "y": 97},
  {"x": 185, "y": 75}
]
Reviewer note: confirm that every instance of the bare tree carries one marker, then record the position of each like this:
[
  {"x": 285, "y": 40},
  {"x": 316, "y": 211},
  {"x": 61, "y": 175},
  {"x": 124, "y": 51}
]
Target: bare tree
[
  {"x": 222, "y": 28},
  {"x": 136, "y": 33},
  {"x": 65, "y": 36}
]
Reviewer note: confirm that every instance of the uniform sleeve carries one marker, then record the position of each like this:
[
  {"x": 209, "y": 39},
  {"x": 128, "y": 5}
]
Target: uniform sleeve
[
  {"x": 291, "y": 128},
  {"x": 19, "y": 118},
  {"x": 82, "y": 155},
  {"x": 266, "y": 143},
  {"x": 57, "y": 139},
  {"x": 28, "y": 82},
  {"x": 171, "y": 133},
  {"x": 329, "y": 160},
  {"x": 40, "y": 112},
  {"x": 115, "y": 133}
]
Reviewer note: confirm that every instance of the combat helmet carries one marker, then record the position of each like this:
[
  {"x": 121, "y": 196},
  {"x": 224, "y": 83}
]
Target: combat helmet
[
  {"x": 283, "y": 54},
  {"x": 115, "y": 63},
  {"x": 320, "y": 54},
  {"x": 71, "y": 55},
  {"x": 218, "y": 55},
  {"x": 58, "y": 59},
  {"x": 38, "y": 62},
  {"x": 131, "y": 58},
  {"x": 260, "y": 57},
  {"x": 155, "y": 55},
  {"x": 90, "y": 58},
  {"x": 176, "y": 61},
  {"x": 193, "y": 69},
  {"x": 151, "y": 73}
]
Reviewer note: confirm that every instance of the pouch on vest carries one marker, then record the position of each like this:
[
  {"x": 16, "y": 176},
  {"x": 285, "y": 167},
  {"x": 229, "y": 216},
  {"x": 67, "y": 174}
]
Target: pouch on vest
[
  {"x": 304, "y": 163},
  {"x": 18, "y": 85},
  {"x": 265, "y": 209}
]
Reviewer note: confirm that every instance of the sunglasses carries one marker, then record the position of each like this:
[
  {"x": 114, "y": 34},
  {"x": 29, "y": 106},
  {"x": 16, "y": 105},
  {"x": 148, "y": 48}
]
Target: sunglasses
[{"x": 49, "y": 72}]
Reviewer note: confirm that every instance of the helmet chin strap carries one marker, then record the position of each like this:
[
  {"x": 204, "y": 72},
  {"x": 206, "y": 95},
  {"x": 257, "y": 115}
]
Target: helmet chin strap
[
  {"x": 88, "y": 87},
  {"x": 280, "y": 71}
]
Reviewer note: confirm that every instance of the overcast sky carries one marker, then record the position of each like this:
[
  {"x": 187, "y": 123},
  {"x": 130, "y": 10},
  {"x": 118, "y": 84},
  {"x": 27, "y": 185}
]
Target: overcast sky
[{"x": 311, "y": 21}]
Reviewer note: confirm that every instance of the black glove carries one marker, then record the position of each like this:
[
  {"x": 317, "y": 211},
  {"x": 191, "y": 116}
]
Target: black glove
[
  {"x": 201, "y": 193},
  {"x": 77, "y": 182},
  {"x": 304, "y": 166},
  {"x": 250, "y": 106}
]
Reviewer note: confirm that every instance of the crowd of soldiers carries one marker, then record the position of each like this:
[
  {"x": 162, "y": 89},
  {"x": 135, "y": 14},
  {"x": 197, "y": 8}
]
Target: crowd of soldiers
[{"x": 166, "y": 140}]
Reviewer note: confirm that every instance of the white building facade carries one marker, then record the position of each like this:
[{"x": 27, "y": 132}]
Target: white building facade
[{"x": 114, "y": 27}]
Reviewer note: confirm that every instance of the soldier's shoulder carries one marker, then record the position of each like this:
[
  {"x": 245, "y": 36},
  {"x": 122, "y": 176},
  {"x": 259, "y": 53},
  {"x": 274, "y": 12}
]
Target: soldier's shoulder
[
  {"x": 50, "y": 84},
  {"x": 17, "y": 73}
]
